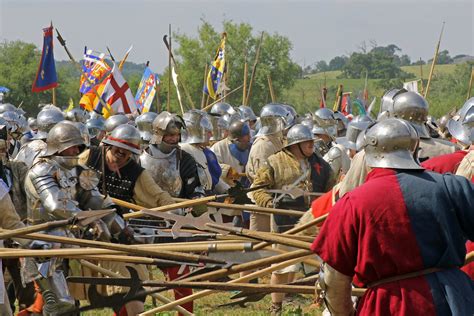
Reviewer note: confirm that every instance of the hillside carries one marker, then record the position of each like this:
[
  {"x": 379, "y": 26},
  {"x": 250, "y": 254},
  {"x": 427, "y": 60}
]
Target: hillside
[{"x": 306, "y": 95}]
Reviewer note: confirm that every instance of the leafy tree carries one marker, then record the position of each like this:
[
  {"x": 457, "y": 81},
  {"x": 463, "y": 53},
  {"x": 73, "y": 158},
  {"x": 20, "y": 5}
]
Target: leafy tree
[
  {"x": 193, "y": 54},
  {"x": 379, "y": 62},
  {"x": 338, "y": 62},
  {"x": 405, "y": 60},
  {"x": 321, "y": 66}
]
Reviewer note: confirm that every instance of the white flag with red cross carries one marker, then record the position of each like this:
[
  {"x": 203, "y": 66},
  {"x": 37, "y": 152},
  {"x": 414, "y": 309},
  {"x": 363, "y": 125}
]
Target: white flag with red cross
[{"x": 117, "y": 94}]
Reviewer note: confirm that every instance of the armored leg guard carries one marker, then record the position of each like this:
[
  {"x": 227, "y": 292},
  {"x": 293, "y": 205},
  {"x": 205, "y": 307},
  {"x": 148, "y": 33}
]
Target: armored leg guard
[{"x": 55, "y": 294}]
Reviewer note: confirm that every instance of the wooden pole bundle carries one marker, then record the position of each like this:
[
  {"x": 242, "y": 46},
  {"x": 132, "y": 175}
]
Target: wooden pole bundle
[
  {"x": 246, "y": 278},
  {"x": 112, "y": 274},
  {"x": 171, "y": 255}
]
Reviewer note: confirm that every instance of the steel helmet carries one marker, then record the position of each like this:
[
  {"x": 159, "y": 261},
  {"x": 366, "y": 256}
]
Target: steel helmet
[
  {"x": 391, "y": 143},
  {"x": 125, "y": 136},
  {"x": 198, "y": 127},
  {"x": 95, "y": 126},
  {"x": 222, "y": 108},
  {"x": 76, "y": 115},
  {"x": 166, "y": 123},
  {"x": 274, "y": 118},
  {"x": 115, "y": 120},
  {"x": 46, "y": 119},
  {"x": 297, "y": 134},
  {"x": 144, "y": 124},
  {"x": 62, "y": 136},
  {"x": 463, "y": 128},
  {"x": 247, "y": 113}
]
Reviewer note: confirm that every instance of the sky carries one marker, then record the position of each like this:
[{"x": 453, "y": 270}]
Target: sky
[{"x": 319, "y": 30}]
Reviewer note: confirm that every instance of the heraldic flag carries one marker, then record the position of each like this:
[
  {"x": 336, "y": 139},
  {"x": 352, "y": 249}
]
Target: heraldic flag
[
  {"x": 213, "y": 84},
  {"x": 117, "y": 95},
  {"x": 46, "y": 77},
  {"x": 146, "y": 90},
  {"x": 93, "y": 67}
]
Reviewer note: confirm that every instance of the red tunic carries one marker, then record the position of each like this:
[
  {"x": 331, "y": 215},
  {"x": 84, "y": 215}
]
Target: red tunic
[
  {"x": 397, "y": 223},
  {"x": 445, "y": 163}
]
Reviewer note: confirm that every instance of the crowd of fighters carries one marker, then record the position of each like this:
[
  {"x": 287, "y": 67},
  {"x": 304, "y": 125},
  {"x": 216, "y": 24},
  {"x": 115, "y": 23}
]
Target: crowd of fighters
[{"x": 399, "y": 220}]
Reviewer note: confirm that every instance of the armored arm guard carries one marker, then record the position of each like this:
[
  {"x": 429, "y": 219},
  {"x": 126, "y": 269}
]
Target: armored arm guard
[
  {"x": 337, "y": 291},
  {"x": 54, "y": 190}
]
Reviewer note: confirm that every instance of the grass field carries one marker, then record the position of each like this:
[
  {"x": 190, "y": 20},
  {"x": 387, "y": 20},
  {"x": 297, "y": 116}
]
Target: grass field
[
  {"x": 209, "y": 305},
  {"x": 306, "y": 93}
]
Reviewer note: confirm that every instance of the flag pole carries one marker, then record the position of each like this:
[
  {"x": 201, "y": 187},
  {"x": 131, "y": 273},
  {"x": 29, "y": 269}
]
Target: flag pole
[
  {"x": 244, "y": 90},
  {"x": 470, "y": 85},
  {"x": 435, "y": 57},
  {"x": 254, "y": 70},
  {"x": 54, "y": 96},
  {"x": 270, "y": 86},
  {"x": 207, "y": 107},
  {"x": 168, "y": 104},
  {"x": 175, "y": 64},
  {"x": 203, "y": 98},
  {"x": 421, "y": 76}
]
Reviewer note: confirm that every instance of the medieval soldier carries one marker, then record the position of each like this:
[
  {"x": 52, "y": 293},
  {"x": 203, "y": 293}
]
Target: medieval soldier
[
  {"x": 46, "y": 119},
  {"x": 296, "y": 166},
  {"x": 412, "y": 107},
  {"x": 57, "y": 188},
  {"x": 175, "y": 171},
  {"x": 418, "y": 274},
  {"x": 274, "y": 119}
]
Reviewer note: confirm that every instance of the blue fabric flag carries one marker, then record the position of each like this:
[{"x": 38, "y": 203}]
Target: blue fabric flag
[
  {"x": 146, "y": 90},
  {"x": 214, "y": 81},
  {"x": 46, "y": 77}
]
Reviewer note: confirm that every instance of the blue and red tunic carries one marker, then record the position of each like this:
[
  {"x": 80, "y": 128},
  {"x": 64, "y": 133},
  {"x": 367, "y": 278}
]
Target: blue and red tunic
[
  {"x": 445, "y": 163},
  {"x": 400, "y": 222}
]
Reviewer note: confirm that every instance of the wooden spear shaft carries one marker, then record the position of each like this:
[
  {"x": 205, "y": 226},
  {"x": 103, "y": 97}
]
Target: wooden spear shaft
[
  {"x": 270, "y": 86},
  {"x": 112, "y": 274},
  {"x": 244, "y": 90},
  {"x": 203, "y": 98},
  {"x": 435, "y": 57},
  {"x": 276, "y": 238},
  {"x": 207, "y": 107},
  {"x": 168, "y": 104},
  {"x": 470, "y": 85},
  {"x": 254, "y": 70},
  {"x": 295, "y": 230},
  {"x": 247, "y": 287},
  {"x": 246, "y": 278},
  {"x": 172, "y": 255},
  {"x": 253, "y": 208}
]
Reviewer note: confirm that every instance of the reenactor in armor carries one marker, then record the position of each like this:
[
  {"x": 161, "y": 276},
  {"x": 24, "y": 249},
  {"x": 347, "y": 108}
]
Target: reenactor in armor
[
  {"x": 296, "y": 166},
  {"x": 462, "y": 132},
  {"x": 325, "y": 129},
  {"x": 11, "y": 220},
  {"x": 175, "y": 171},
  {"x": 232, "y": 154},
  {"x": 172, "y": 168},
  {"x": 198, "y": 134},
  {"x": 274, "y": 119},
  {"x": 58, "y": 188},
  {"x": 411, "y": 106},
  {"x": 357, "y": 244},
  {"x": 46, "y": 119},
  {"x": 342, "y": 123},
  {"x": 121, "y": 177},
  {"x": 248, "y": 115}
]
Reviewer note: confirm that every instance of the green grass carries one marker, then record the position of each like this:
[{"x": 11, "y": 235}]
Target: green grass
[
  {"x": 440, "y": 69},
  {"x": 208, "y": 305}
]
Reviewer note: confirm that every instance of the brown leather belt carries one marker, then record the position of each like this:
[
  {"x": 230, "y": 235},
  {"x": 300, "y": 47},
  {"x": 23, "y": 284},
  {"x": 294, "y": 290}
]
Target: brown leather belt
[{"x": 404, "y": 276}]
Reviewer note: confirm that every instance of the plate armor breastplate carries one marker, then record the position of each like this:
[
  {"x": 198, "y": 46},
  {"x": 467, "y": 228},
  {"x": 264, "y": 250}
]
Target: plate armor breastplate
[{"x": 164, "y": 168}]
